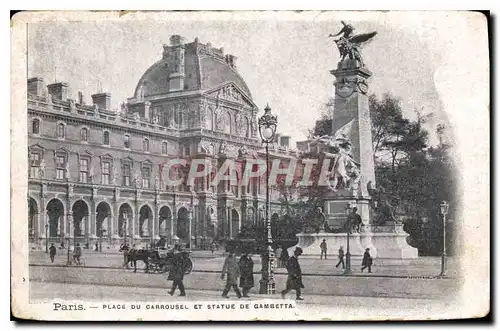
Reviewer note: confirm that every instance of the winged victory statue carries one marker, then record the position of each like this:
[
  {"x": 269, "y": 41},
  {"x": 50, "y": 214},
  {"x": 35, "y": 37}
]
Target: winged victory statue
[{"x": 349, "y": 44}]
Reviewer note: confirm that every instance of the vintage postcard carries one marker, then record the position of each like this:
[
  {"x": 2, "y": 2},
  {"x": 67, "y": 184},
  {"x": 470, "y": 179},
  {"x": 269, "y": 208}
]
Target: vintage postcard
[{"x": 250, "y": 166}]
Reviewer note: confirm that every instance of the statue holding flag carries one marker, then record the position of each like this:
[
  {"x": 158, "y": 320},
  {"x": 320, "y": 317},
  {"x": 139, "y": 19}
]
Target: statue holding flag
[{"x": 345, "y": 172}]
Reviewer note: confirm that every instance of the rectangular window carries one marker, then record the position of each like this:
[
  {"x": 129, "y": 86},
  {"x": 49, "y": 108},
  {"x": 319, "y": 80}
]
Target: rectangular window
[
  {"x": 164, "y": 148},
  {"x": 106, "y": 138},
  {"x": 126, "y": 142},
  {"x": 126, "y": 175},
  {"x": 84, "y": 170},
  {"x": 146, "y": 176},
  {"x": 60, "y": 167},
  {"x": 35, "y": 165},
  {"x": 105, "y": 173}
]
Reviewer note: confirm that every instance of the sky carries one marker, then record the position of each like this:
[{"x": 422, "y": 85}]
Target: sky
[{"x": 285, "y": 58}]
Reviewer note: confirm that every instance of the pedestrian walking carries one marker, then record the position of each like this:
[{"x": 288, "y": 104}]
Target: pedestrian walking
[
  {"x": 176, "y": 273},
  {"x": 132, "y": 257},
  {"x": 232, "y": 271},
  {"x": 323, "y": 249},
  {"x": 52, "y": 252},
  {"x": 77, "y": 254},
  {"x": 294, "y": 281},
  {"x": 213, "y": 246},
  {"x": 278, "y": 257},
  {"x": 341, "y": 258},
  {"x": 246, "y": 278},
  {"x": 367, "y": 261}
]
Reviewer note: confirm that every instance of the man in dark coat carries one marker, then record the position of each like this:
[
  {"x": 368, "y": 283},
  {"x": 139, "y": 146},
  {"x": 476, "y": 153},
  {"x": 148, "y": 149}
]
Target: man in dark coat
[
  {"x": 323, "y": 249},
  {"x": 246, "y": 277},
  {"x": 176, "y": 273},
  {"x": 132, "y": 257},
  {"x": 367, "y": 261},
  {"x": 232, "y": 270},
  {"x": 52, "y": 252},
  {"x": 294, "y": 281}
]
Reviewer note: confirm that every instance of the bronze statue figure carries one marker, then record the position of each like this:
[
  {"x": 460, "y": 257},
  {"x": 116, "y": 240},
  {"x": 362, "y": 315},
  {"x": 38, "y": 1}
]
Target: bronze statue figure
[{"x": 349, "y": 44}]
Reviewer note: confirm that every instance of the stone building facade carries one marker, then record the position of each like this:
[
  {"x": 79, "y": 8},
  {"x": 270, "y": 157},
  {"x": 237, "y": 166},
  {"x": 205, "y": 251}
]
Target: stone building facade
[{"x": 97, "y": 174}]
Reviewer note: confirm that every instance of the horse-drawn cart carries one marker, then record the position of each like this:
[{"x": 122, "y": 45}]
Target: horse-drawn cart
[{"x": 160, "y": 260}]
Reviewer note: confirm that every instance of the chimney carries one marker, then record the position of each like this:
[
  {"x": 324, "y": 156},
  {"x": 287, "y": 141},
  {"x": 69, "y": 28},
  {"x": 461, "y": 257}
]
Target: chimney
[
  {"x": 103, "y": 100},
  {"x": 58, "y": 91},
  {"x": 80, "y": 98},
  {"x": 36, "y": 86},
  {"x": 231, "y": 60}
]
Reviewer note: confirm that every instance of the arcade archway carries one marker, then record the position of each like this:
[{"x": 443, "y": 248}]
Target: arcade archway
[
  {"x": 145, "y": 221},
  {"x": 32, "y": 219},
  {"x": 125, "y": 216},
  {"x": 165, "y": 222},
  {"x": 80, "y": 213},
  {"x": 103, "y": 218},
  {"x": 55, "y": 211}
]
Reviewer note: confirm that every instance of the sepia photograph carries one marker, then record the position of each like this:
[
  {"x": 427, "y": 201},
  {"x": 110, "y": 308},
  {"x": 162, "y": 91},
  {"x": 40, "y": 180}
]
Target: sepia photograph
[{"x": 250, "y": 166}]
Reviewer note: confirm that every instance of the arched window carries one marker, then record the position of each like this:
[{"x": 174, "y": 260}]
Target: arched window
[
  {"x": 84, "y": 134},
  {"x": 105, "y": 138},
  {"x": 36, "y": 126},
  {"x": 61, "y": 132},
  {"x": 126, "y": 142},
  {"x": 164, "y": 149},
  {"x": 145, "y": 145}
]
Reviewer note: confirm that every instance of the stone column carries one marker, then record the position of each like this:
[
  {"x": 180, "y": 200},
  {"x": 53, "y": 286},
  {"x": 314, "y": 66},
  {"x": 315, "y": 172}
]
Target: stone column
[
  {"x": 229, "y": 222},
  {"x": 69, "y": 228}
]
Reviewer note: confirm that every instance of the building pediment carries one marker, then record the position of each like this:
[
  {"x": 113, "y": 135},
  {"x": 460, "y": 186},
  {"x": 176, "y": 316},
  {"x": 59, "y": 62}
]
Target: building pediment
[
  {"x": 36, "y": 147},
  {"x": 232, "y": 93}
]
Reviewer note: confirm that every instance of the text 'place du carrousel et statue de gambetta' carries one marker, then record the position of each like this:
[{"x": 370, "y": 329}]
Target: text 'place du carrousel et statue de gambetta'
[{"x": 351, "y": 180}]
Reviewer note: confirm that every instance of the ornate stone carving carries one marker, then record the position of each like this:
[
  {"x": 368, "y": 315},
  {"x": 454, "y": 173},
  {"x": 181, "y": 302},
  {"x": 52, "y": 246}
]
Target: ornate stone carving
[
  {"x": 95, "y": 188},
  {"x": 219, "y": 120},
  {"x": 346, "y": 86},
  {"x": 41, "y": 171},
  {"x": 44, "y": 192},
  {"x": 123, "y": 109},
  {"x": 137, "y": 117},
  {"x": 70, "y": 190},
  {"x": 345, "y": 172},
  {"x": 140, "y": 92},
  {"x": 95, "y": 108},
  {"x": 206, "y": 148}
]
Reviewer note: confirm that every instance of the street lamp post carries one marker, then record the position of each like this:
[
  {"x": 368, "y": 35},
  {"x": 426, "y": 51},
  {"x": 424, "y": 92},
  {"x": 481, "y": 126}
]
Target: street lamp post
[
  {"x": 347, "y": 270},
  {"x": 124, "y": 231},
  {"x": 444, "y": 211},
  {"x": 46, "y": 238},
  {"x": 267, "y": 131}
]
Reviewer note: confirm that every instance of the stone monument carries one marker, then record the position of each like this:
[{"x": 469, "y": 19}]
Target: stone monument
[{"x": 351, "y": 180}]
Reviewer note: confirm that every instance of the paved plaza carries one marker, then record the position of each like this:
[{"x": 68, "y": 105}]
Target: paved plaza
[
  {"x": 414, "y": 279},
  {"x": 206, "y": 261}
]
